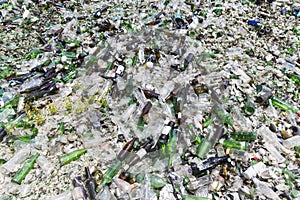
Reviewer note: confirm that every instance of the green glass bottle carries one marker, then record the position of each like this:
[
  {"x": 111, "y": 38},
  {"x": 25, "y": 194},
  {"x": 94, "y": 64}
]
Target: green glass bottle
[
  {"x": 61, "y": 128},
  {"x": 73, "y": 42},
  {"x": 209, "y": 121},
  {"x": 134, "y": 158},
  {"x": 23, "y": 138},
  {"x": 111, "y": 173},
  {"x": 6, "y": 72},
  {"x": 297, "y": 150},
  {"x": 243, "y": 136},
  {"x": 47, "y": 63},
  {"x": 296, "y": 31},
  {"x": 134, "y": 60},
  {"x": 33, "y": 54},
  {"x": 295, "y": 193},
  {"x": 234, "y": 144},
  {"x": 141, "y": 123},
  {"x": 28, "y": 165},
  {"x": 70, "y": 76},
  {"x": 129, "y": 87},
  {"x": 164, "y": 139},
  {"x": 171, "y": 145},
  {"x": 218, "y": 11},
  {"x": 283, "y": 105},
  {"x": 203, "y": 148},
  {"x": 156, "y": 182},
  {"x": 115, "y": 168},
  {"x": 249, "y": 107},
  {"x": 222, "y": 115},
  {"x": 139, "y": 178},
  {"x": 2, "y": 161},
  {"x": 294, "y": 77},
  {"x": 69, "y": 54},
  {"x": 290, "y": 174},
  {"x": 69, "y": 157}
]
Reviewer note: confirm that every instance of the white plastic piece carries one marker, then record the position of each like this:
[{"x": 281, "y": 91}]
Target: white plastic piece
[
  {"x": 120, "y": 69},
  {"x": 149, "y": 64},
  {"x": 166, "y": 130},
  {"x": 64, "y": 59},
  {"x": 292, "y": 142},
  {"x": 215, "y": 186},
  {"x": 275, "y": 154},
  {"x": 20, "y": 104},
  {"x": 254, "y": 170},
  {"x": 195, "y": 23},
  {"x": 26, "y": 13}
]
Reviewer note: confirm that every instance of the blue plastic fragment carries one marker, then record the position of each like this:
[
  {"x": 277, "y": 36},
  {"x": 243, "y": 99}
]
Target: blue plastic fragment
[
  {"x": 253, "y": 22},
  {"x": 296, "y": 11},
  {"x": 177, "y": 15},
  {"x": 283, "y": 11},
  {"x": 3, "y": 2},
  {"x": 14, "y": 82}
]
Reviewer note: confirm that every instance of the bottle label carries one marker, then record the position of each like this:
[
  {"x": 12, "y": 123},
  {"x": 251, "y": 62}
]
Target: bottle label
[
  {"x": 141, "y": 153},
  {"x": 120, "y": 69},
  {"x": 166, "y": 130},
  {"x": 179, "y": 115}
]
